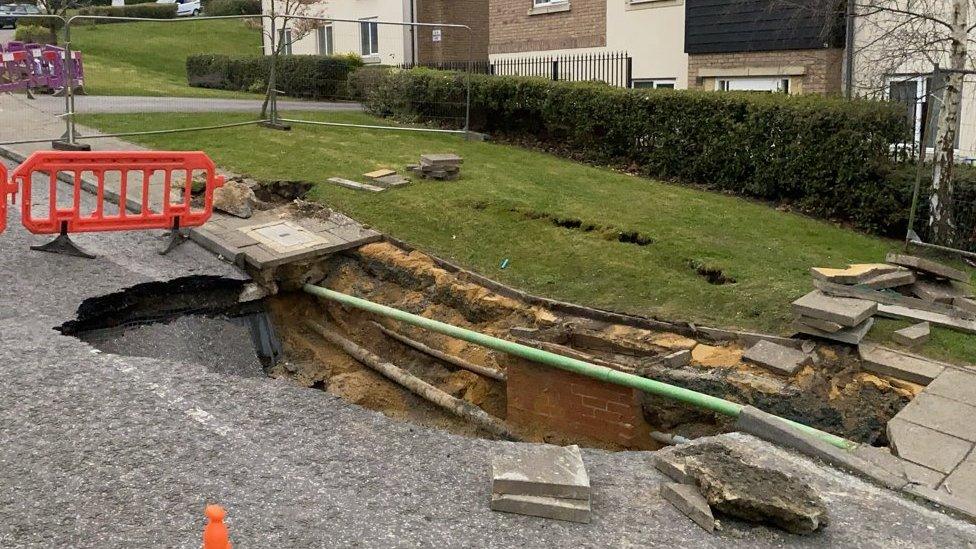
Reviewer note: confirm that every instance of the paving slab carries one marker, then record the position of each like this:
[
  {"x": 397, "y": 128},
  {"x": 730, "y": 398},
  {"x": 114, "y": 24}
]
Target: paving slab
[
  {"x": 440, "y": 159},
  {"x": 776, "y": 358},
  {"x": 926, "y": 447},
  {"x": 376, "y": 174},
  {"x": 940, "y": 291},
  {"x": 962, "y": 482},
  {"x": 927, "y": 266},
  {"x": 391, "y": 181},
  {"x": 572, "y": 510},
  {"x": 941, "y": 414},
  {"x": 819, "y": 323},
  {"x": 889, "y": 362},
  {"x": 956, "y": 384},
  {"x": 965, "y": 304},
  {"x": 916, "y": 334},
  {"x": 913, "y": 473},
  {"x": 939, "y": 319},
  {"x": 893, "y": 279},
  {"x": 539, "y": 470},
  {"x": 845, "y": 311},
  {"x": 354, "y": 185},
  {"x": 854, "y": 274},
  {"x": 851, "y": 336},
  {"x": 687, "y": 499}
]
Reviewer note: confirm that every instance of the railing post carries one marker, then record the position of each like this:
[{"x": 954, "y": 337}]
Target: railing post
[
  {"x": 555, "y": 69},
  {"x": 630, "y": 71}
]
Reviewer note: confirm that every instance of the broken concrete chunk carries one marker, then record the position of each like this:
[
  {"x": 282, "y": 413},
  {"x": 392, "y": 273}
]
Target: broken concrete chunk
[
  {"x": 842, "y": 310},
  {"x": 889, "y": 362},
  {"x": 893, "y": 279},
  {"x": 926, "y": 447},
  {"x": 927, "y": 266},
  {"x": 539, "y": 470},
  {"x": 690, "y": 502},
  {"x": 737, "y": 486},
  {"x": 676, "y": 359},
  {"x": 853, "y": 274},
  {"x": 916, "y": 334},
  {"x": 573, "y": 510},
  {"x": 851, "y": 336},
  {"x": 820, "y": 324},
  {"x": 234, "y": 198},
  {"x": 673, "y": 469},
  {"x": 940, "y": 291},
  {"x": 776, "y": 358},
  {"x": 965, "y": 304}
]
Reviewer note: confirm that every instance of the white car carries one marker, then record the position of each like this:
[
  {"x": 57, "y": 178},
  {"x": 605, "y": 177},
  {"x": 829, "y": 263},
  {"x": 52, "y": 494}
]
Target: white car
[{"x": 184, "y": 8}]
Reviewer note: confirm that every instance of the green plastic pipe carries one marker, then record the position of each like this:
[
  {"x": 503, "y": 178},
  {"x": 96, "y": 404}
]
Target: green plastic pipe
[{"x": 680, "y": 394}]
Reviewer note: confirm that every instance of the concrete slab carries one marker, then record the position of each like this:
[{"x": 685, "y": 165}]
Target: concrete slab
[
  {"x": 440, "y": 159},
  {"x": 942, "y": 414},
  {"x": 571, "y": 510},
  {"x": 539, "y": 470},
  {"x": 940, "y": 291},
  {"x": 916, "y": 334},
  {"x": 965, "y": 304},
  {"x": 962, "y": 482},
  {"x": 913, "y": 473},
  {"x": 893, "y": 279},
  {"x": 688, "y": 500},
  {"x": 820, "y": 324},
  {"x": 354, "y": 185},
  {"x": 853, "y": 274},
  {"x": 927, "y": 266},
  {"x": 926, "y": 447},
  {"x": 391, "y": 181},
  {"x": 776, "y": 358},
  {"x": 376, "y": 174},
  {"x": 939, "y": 319},
  {"x": 851, "y": 336},
  {"x": 842, "y": 310},
  {"x": 889, "y": 362},
  {"x": 956, "y": 384}
]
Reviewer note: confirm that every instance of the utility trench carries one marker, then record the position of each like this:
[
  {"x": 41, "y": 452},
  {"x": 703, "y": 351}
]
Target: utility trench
[{"x": 203, "y": 320}]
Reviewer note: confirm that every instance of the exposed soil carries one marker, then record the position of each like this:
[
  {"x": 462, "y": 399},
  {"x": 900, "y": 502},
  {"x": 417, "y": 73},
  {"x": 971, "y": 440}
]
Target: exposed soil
[{"x": 834, "y": 395}]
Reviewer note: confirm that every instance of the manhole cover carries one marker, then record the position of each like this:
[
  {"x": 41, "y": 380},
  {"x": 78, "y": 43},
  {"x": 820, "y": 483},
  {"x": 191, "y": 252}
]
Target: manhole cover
[{"x": 284, "y": 236}]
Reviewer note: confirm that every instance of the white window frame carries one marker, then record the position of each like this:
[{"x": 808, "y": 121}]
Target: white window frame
[
  {"x": 285, "y": 36},
  {"x": 325, "y": 40},
  {"x": 736, "y": 83},
  {"x": 369, "y": 25},
  {"x": 655, "y": 83},
  {"x": 922, "y": 91},
  {"x": 546, "y": 3}
]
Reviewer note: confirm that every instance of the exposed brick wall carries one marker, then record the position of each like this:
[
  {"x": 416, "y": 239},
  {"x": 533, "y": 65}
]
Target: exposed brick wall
[
  {"x": 545, "y": 398},
  {"x": 454, "y": 42},
  {"x": 823, "y": 67},
  {"x": 512, "y": 29}
]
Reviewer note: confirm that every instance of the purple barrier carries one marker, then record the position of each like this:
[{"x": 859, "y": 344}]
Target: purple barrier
[
  {"x": 55, "y": 58},
  {"x": 15, "y": 71}
]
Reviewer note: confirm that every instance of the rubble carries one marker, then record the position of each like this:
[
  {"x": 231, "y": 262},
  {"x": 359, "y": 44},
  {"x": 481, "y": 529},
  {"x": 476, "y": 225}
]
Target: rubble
[
  {"x": 927, "y": 266},
  {"x": 940, "y": 291},
  {"x": 235, "y": 198},
  {"x": 688, "y": 500},
  {"x": 916, "y": 334}
]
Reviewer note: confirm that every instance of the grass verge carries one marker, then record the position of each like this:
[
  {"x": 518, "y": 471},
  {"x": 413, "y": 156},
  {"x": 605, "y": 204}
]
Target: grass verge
[
  {"x": 531, "y": 211},
  {"x": 149, "y": 59}
]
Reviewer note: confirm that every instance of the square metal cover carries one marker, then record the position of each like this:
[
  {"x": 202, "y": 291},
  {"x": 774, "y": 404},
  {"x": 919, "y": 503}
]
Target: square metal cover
[{"x": 285, "y": 236}]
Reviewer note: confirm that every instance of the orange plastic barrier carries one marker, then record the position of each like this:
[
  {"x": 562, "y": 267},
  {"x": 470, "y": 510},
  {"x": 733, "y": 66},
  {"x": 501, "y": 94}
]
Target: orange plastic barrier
[
  {"x": 215, "y": 535},
  {"x": 5, "y": 189},
  {"x": 147, "y": 177}
]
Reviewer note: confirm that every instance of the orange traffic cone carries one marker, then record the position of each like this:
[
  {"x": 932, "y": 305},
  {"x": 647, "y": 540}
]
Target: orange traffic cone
[{"x": 215, "y": 535}]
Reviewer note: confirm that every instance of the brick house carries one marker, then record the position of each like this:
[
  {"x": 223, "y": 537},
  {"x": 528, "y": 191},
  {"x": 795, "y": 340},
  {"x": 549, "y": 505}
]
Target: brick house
[
  {"x": 761, "y": 46},
  {"x": 651, "y": 31},
  {"x": 367, "y": 33}
]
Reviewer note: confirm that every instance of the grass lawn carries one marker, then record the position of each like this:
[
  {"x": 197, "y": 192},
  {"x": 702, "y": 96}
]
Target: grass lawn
[
  {"x": 150, "y": 58},
  {"x": 480, "y": 221}
]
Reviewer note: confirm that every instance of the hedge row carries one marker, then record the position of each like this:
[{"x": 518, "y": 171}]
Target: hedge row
[
  {"x": 305, "y": 76},
  {"x": 147, "y": 10},
  {"x": 827, "y": 156},
  {"x": 34, "y": 34},
  {"x": 233, "y": 7}
]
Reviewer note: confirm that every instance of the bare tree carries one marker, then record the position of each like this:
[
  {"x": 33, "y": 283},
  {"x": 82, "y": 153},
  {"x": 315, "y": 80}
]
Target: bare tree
[{"x": 289, "y": 16}]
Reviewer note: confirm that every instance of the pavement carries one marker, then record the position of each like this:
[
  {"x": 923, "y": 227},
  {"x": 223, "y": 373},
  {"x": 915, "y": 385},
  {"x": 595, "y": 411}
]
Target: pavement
[
  {"x": 93, "y": 104},
  {"x": 106, "y": 450}
]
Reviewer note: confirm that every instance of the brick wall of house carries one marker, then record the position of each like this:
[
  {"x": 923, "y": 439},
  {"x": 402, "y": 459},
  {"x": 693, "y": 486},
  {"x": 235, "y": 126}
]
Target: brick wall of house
[
  {"x": 512, "y": 29},
  {"x": 822, "y": 75},
  {"x": 454, "y": 43},
  {"x": 549, "y": 399}
]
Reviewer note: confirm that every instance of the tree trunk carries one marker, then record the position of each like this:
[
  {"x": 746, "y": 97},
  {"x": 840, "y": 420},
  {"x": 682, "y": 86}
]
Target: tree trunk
[{"x": 940, "y": 206}]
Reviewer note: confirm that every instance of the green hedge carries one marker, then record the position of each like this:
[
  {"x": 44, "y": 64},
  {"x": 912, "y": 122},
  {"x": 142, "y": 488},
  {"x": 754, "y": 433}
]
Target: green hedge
[
  {"x": 902, "y": 181},
  {"x": 147, "y": 10},
  {"x": 305, "y": 76},
  {"x": 233, "y": 7},
  {"x": 827, "y": 156},
  {"x": 34, "y": 34}
]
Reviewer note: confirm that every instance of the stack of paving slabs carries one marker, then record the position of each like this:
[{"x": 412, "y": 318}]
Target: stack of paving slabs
[
  {"x": 937, "y": 283},
  {"x": 445, "y": 167},
  {"x": 841, "y": 319},
  {"x": 540, "y": 480}
]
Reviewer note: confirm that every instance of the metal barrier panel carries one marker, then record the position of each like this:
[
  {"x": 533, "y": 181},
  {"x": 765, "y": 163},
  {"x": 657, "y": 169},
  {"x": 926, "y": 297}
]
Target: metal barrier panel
[{"x": 171, "y": 172}]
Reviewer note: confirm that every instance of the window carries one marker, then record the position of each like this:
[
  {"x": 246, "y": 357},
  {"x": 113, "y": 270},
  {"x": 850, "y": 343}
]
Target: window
[
  {"x": 324, "y": 36},
  {"x": 539, "y": 3},
  {"x": 284, "y": 39},
  {"x": 655, "y": 83},
  {"x": 369, "y": 37},
  {"x": 921, "y": 114},
  {"x": 772, "y": 84}
]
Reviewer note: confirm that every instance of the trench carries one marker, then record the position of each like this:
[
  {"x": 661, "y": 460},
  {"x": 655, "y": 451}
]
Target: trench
[{"x": 200, "y": 320}]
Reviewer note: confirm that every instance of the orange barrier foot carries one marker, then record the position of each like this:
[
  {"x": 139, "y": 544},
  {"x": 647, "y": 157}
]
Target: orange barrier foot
[{"x": 215, "y": 535}]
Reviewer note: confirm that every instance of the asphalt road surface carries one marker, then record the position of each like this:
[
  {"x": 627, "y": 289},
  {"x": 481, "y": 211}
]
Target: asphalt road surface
[{"x": 101, "y": 450}]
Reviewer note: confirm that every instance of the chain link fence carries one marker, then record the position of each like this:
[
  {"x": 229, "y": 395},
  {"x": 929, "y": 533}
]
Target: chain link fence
[{"x": 297, "y": 70}]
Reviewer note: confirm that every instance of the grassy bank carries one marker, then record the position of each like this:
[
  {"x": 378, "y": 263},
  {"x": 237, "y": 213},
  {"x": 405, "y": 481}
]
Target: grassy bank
[
  {"x": 149, "y": 59},
  {"x": 519, "y": 205}
]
